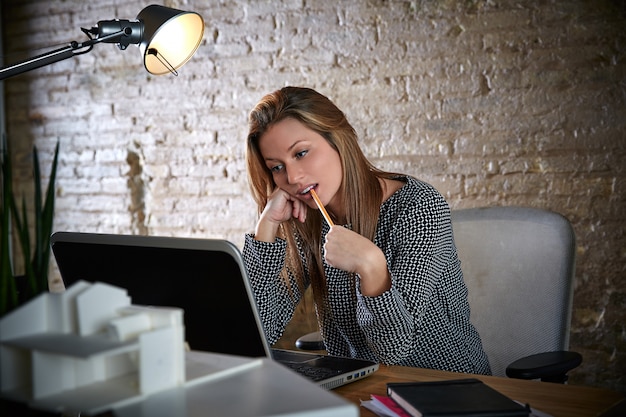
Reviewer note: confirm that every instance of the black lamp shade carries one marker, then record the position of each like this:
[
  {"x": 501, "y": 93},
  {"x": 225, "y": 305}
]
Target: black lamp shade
[{"x": 170, "y": 37}]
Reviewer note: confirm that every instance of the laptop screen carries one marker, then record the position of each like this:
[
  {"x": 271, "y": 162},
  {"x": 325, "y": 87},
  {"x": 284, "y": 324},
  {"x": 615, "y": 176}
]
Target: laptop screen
[{"x": 202, "y": 277}]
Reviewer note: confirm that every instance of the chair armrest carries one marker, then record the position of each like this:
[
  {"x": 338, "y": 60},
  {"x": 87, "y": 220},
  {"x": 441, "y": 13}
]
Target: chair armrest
[
  {"x": 311, "y": 341},
  {"x": 547, "y": 366}
]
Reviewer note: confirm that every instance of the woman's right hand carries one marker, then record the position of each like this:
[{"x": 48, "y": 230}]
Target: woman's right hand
[{"x": 280, "y": 207}]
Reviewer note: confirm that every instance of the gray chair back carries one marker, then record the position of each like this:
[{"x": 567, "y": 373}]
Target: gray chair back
[{"x": 518, "y": 264}]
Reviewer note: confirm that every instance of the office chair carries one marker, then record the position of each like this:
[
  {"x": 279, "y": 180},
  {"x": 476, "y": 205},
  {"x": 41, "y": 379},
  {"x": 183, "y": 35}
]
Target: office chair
[{"x": 518, "y": 264}]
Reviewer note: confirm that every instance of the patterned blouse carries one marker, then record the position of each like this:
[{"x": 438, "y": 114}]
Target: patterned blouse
[{"x": 421, "y": 321}]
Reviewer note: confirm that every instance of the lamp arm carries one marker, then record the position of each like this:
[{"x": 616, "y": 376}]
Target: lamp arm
[
  {"x": 74, "y": 48},
  {"x": 37, "y": 62}
]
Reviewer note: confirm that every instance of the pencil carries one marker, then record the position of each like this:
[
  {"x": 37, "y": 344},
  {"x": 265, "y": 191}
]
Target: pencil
[{"x": 321, "y": 207}]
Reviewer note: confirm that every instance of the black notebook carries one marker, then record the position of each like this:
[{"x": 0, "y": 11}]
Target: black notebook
[{"x": 459, "y": 397}]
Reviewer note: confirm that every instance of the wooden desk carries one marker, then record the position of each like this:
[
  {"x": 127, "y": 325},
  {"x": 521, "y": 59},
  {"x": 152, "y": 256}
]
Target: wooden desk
[{"x": 555, "y": 399}]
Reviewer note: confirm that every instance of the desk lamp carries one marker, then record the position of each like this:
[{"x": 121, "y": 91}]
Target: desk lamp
[{"x": 167, "y": 39}]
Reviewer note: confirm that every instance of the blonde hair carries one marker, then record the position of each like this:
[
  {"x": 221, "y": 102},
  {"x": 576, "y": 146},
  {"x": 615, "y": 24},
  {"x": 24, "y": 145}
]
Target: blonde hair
[{"x": 360, "y": 191}]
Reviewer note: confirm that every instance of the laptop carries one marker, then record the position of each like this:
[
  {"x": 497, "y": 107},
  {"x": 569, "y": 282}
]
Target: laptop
[{"x": 204, "y": 277}]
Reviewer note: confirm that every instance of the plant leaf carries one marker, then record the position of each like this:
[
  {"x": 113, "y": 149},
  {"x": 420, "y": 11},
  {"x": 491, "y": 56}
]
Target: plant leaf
[
  {"x": 8, "y": 294},
  {"x": 47, "y": 223}
]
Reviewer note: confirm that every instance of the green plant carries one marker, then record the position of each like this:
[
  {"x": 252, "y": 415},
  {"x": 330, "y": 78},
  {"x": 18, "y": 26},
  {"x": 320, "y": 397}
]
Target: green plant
[
  {"x": 35, "y": 254},
  {"x": 8, "y": 293}
]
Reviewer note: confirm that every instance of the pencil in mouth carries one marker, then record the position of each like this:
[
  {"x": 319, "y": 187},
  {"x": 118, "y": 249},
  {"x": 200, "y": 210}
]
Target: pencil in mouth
[
  {"x": 307, "y": 189},
  {"x": 321, "y": 207}
]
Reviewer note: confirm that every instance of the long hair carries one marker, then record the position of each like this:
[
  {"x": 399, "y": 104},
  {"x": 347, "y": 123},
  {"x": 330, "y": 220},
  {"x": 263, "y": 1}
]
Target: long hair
[{"x": 360, "y": 190}]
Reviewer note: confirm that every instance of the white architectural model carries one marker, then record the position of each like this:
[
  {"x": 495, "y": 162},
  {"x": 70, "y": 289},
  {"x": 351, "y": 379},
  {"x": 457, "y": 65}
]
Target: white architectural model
[{"x": 89, "y": 349}]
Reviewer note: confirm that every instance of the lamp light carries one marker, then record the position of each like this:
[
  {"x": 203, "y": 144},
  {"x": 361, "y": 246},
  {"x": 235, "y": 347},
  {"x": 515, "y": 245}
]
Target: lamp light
[
  {"x": 168, "y": 33},
  {"x": 167, "y": 39}
]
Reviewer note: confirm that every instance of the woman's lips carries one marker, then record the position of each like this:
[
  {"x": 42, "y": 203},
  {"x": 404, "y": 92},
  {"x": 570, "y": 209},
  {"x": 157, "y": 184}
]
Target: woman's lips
[{"x": 307, "y": 189}]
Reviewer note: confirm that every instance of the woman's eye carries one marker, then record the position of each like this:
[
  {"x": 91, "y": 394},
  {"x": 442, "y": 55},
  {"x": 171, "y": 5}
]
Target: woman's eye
[
  {"x": 276, "y": 169},
  {"x": 301, "y": 154}
]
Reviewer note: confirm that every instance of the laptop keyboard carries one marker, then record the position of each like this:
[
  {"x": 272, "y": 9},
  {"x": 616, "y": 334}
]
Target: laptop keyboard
[{"x": 314, "y": 373}]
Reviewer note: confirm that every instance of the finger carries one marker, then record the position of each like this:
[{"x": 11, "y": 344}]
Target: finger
[
  {"x": 301, "y": 210},
  {"x": 305, "y": 210},
  {"x": 296, "y": 211},
  {"x": 303, "y": 214},
  {"x": 325, "y": 254}
]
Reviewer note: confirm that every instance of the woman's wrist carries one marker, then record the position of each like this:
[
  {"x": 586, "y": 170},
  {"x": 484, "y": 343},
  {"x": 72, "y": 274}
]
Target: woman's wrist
[
  {"x": 375, "y": 277},
  {"x": 265, "y": 230}
]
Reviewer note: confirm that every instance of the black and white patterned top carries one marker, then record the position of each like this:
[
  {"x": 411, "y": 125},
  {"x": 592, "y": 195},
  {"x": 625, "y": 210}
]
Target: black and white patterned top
[{"x": 422, "y": 321}]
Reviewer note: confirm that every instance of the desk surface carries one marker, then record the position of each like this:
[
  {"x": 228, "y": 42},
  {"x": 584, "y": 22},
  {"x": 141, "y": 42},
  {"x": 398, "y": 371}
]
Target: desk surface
[{"x": 555, "y": 399}]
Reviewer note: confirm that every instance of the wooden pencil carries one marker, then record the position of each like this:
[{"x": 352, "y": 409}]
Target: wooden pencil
[{"x": 321, "y": 207}]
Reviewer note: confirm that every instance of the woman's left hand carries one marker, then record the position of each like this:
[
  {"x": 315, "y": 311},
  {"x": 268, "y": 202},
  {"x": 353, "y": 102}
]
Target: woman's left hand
[{"x": 351, "y": 252}]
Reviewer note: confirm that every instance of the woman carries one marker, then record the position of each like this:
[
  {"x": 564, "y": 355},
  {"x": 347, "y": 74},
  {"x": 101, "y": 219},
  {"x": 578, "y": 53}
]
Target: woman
[{"x": 386, "y": 279}]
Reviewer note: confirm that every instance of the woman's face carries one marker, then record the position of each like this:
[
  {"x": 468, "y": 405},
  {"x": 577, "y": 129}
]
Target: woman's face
[{"x": 301, "y": 159}]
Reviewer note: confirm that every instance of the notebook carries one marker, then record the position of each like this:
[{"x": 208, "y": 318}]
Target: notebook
[
  {"x": 469, "y": 397},
  {"x": 204, "y": 277}
]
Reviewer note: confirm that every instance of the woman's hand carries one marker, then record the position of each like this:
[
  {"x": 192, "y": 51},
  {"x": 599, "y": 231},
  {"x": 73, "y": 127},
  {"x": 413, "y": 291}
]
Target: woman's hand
[
  {"x": 280, "y": 207},
  {"x": 351, "y": 252}
]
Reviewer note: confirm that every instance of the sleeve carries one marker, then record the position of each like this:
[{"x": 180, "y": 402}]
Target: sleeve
[
  {"x": 418, "y": 249},
  {"x": 275, "y": 301}
]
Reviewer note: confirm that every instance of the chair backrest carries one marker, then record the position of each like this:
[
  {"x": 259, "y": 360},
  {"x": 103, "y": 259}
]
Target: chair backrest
[{"x": 518, "y": 264}]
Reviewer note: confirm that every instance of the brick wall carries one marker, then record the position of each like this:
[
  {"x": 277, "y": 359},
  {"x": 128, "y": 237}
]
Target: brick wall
[{"x": 493, "y": 102}]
